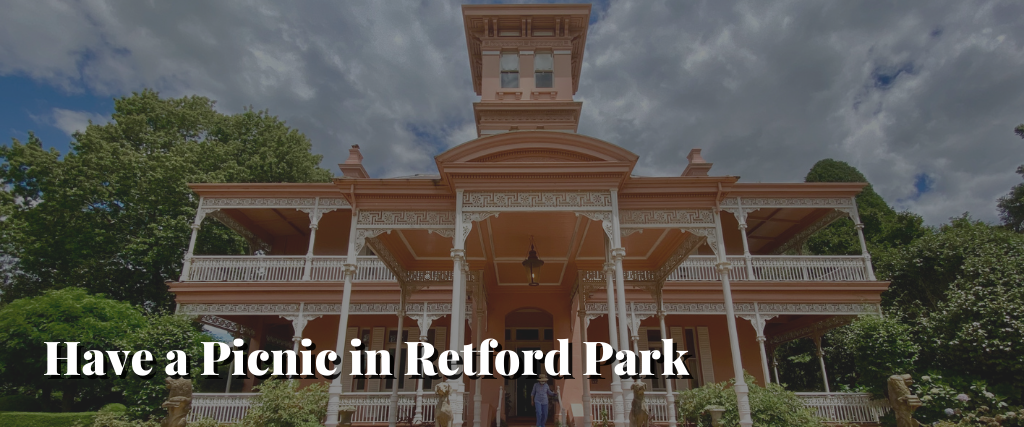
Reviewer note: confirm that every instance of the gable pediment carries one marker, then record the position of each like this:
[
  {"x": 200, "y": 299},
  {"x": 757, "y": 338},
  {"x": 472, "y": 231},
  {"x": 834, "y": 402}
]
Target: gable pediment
[{"x": 536, "y": 155}]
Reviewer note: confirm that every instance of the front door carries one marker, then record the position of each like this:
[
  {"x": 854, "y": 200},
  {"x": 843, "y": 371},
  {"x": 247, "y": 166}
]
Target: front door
[{"x": 524, "y": 386}]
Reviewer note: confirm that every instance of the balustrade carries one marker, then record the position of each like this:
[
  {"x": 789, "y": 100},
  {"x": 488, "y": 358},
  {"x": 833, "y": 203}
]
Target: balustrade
[
  {"x": 846, "y": 407},
  {"x": 776, "y": 268},
  {"x": 602, "y": 401},
  {"x": 371, "y": 408},
  {"x": 284, "y": 269}
]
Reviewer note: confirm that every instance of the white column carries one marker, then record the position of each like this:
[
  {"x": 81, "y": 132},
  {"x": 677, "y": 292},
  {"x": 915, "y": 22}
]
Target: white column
[
  {"x": 393, "y": 404},
  {"x": 775, "y": 367},
  {"x": 334, "y": 402},
  {"x": 759, "y": 324},
  {"x": 617, "y": 404},
  {"x": 478, "y": 397},
  {"x": 741, "y": 219},
  {"x": 458, "y": 254},
  {"x": 424, "y": 323},
  {"x": 821, "y": 360},
  {"x": 669, "y": 397},
  {"x": 314, "y": 220},
  {"x": 584, "y": 324},
  {"x": 855, "y": 216},
  {"x": 617, "y": 254},
  {"x": 187, "y": 265},
  {"x": 742, "y": 399}
]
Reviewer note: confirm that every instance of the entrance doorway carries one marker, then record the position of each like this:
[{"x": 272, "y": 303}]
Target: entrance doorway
[{"x": 527, "y": 329}]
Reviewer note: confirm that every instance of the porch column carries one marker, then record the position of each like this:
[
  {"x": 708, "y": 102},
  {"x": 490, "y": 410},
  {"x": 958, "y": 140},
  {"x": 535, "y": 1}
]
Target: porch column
[
  {"x": 741, "y": 219},
  {"x": 821, "y": 360},
  {"x": 458, "y": 255},
  {"x": 393, "y": 404},
  {"x": 775, "y": 367},
  {"x": 742, "y": 400},
  {"x": 478, "y": 397},
  {"x": 584, "y": 324},
  {"x": 669, "y": 401},
  {"x": 617, "y": 254},
  {"x": 759, "y": 324},
  {"x": 314, "y": 220},
  {"x": 424, "y": 322},
  {"x": 855, "y": 216},
  {"x": 187, "y": 265},
  {"x": 334, "y": 402},
  {"x": 613, "y": 335},
  {"x": 298, "y": 325}
]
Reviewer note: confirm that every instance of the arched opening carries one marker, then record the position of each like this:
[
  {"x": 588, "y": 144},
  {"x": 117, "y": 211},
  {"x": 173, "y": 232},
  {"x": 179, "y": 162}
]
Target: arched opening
[{"x": 526, "y": 329}]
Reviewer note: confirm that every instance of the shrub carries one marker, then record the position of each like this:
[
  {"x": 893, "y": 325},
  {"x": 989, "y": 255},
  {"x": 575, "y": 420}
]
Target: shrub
[
  {"x": 874, "y": 348},
  {"x": 958, "y": 402},
  {"x": 114, "y": 407},
  {"x": 282, "y": 404},
  {"x": 20, "y": 403},
  {"x": 121, "y": 419},
  {"x": 770, "y": 406},
  {"x": 45, "y": 419}
]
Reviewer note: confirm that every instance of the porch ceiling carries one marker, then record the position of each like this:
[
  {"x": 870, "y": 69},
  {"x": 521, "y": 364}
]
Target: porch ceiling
[{"x": 566, "y": 242}]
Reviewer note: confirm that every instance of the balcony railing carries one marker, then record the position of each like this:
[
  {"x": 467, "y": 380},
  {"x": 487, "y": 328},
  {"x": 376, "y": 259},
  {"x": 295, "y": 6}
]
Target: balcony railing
[
  {"x": 284, "y": 269},
  {"x": 846, "y": 407},
  {"x": 832, "y": 407},
  {"x": 371, "y": 408},
  {"x": 769, "y": 268},
  {"x": 776, "y": 268}
]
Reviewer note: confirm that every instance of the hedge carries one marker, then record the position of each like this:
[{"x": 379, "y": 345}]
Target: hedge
[{"x": 46, "y": 419}]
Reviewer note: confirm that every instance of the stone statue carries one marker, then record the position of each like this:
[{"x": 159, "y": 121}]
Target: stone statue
[
  {"x": 178, "y": 403},
  {"x": 902, "y": 401},
  {"x": 639, "y": 414},
  {"x": 443, "y": 411}
]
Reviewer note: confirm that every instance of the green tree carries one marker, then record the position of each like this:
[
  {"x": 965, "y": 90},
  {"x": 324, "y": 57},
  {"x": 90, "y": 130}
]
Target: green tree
[
  {"x": 113, "y": 214},
  {"x": 69, "y": 315},
  {"x": 866, "y": 352},
  {"x": 1011, "y": 206},
  {"x": 883, "y": 226},
  {"x": 160, "y": 335}
]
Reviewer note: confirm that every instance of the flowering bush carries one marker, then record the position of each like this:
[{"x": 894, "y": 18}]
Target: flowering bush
[
  {"x": 955, "y": 403},
  {"x": 770, "y": 406}
]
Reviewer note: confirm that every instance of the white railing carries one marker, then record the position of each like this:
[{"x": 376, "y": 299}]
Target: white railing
[
  {"x": 246, "y": 268},
  {"x": 289, "y": 268},
  {"x": 371, "y": 408},
  {"x": 225, "y": 408},
  {"x": 602, "y": 401},
  {"x": 846, "y": 407},
  {"x": 776, "y": 268}
]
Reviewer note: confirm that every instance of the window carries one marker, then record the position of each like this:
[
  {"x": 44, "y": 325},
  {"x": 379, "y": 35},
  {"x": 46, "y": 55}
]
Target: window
[
  {"x": 510, "y": 70},
  {"x": 359, "y": 382},
  {"x": 544, "y": 70}
]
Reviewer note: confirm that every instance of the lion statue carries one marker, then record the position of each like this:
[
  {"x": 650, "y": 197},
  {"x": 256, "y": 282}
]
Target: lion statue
[
  {"x": 178, "y": 403},
  {"x": 639, "y": 414},
  {"x": 443, "y": 411},
  {"x": 902, "y": 401}
]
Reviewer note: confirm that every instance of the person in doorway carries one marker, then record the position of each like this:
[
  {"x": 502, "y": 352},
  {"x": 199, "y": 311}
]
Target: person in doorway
[{"x": 541, "y": 393}]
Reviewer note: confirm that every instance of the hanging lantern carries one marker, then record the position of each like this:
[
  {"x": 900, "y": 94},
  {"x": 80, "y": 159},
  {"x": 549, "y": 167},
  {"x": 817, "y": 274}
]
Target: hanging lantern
[{"x": 532, "y": 265}]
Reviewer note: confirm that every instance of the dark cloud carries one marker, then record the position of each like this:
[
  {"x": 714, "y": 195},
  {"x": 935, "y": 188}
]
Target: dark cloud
[{"x": 921, "y": 97}]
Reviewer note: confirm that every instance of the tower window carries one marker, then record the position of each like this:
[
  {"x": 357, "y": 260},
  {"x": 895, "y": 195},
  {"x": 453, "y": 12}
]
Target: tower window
[
  {"x": 510, "y": 70},
  {"x": 544, "y": 69}
]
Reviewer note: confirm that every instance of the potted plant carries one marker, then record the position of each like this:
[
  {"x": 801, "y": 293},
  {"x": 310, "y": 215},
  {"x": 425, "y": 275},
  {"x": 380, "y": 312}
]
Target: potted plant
[
  {"x": 345, "y": 415},
  {"x": 716, "y": 414}
]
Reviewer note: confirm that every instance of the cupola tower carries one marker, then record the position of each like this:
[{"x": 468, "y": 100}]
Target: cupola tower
[{"x": 526, "y": 64}]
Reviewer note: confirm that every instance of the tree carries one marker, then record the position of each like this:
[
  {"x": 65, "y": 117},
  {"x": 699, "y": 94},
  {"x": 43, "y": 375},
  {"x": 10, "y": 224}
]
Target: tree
[
  {"x": 69, "y": 315},
  {"x": 1011, "y": 206},
  {"x": 160, "y": 334},
  {"x": 866, "y": 352},
  {"x": 883, "y": 226},
  {"x": 113, "y": 214}
]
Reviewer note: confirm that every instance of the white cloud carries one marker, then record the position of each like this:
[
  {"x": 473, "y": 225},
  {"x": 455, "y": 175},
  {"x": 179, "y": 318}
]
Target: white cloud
[
  {"x": 766, "y": 88},
  {"x": 70, "y": 121}
]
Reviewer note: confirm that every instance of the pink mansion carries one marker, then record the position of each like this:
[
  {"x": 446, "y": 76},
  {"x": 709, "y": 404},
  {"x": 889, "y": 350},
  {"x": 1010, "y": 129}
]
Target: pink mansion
[{"x": 708, "y": 261}]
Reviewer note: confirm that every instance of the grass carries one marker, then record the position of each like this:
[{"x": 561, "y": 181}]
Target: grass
[{"x": 45, "y": 419}]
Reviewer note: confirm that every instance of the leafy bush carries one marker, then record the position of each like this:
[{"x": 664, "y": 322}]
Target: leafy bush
[
  {"x": 45, "y": 419},
  {"x": 873, "y": 348},
  {"x": 114, "y": 407},
  {"x": 282, "y": 404},
  {"x": 160, "y": 335},
  {"x": 20, "y": 403},
  {"x": 770, "y": 406},
  {"x": 957, "y": 402}
]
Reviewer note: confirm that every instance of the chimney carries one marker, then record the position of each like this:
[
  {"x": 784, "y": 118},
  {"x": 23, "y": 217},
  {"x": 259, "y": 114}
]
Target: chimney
[
  {"x": 697, "y": 165},
  {"x": 353, "y": 166}
]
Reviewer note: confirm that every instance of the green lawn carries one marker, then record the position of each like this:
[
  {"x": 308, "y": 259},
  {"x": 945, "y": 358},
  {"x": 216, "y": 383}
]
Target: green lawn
[{"x": 45, "y": 419}]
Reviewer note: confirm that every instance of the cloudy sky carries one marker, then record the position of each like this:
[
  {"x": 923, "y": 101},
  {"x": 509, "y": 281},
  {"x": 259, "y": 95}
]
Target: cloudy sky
[{"x": 922, "y": 98}]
